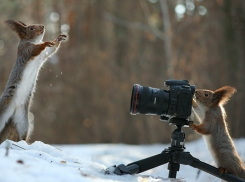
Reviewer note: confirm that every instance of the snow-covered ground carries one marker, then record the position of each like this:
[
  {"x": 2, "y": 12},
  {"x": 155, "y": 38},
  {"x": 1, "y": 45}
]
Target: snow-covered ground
[{"x": 81, "y": 163}]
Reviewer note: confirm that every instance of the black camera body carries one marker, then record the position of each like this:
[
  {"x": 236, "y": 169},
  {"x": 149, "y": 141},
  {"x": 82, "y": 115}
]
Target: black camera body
[{"x": 175, "y": 102}]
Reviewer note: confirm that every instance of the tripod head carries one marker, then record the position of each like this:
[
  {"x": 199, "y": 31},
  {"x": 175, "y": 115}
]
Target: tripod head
[{"x": 178, "y": 136}]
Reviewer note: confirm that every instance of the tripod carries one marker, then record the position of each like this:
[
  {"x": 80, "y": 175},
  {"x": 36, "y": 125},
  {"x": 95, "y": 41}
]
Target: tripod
[{"x": 174, "y": 156}]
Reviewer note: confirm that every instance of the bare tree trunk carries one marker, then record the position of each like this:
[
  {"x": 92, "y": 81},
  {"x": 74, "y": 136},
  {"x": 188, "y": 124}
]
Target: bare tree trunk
[
  {"x": 240, "y": 85},
  {"x": 167, "y": 38}
]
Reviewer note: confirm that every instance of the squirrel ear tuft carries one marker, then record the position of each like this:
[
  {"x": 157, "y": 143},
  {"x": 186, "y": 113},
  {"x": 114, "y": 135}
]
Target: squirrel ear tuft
[
  {"x": 222, "y": 95},
  {"x": 22, "y": 23},
  {"x": 18, "y": 27}
]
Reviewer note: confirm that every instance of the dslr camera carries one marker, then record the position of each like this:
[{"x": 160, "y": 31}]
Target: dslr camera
[{"x": 173, "y": 104}]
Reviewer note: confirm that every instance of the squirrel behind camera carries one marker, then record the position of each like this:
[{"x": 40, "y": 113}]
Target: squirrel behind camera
[
  {"x": 211, "y": 115},
  {"x": 16, "y": 99}
]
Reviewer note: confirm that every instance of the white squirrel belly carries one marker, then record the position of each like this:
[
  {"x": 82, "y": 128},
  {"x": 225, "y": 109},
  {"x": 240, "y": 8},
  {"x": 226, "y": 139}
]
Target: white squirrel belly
[
  {"x": 201, "y": 110},
  {"x": 28, "y": 81}
]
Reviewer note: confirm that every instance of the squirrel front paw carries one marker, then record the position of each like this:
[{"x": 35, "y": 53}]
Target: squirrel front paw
[
  {"x": 192, "y": 126},
  {"x": 61, "y": 37},
  {"x": 49, "y": 43}
]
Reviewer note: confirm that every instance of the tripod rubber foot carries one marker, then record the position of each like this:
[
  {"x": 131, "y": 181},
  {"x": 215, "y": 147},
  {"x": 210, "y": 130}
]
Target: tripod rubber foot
[{"x": 118, "y": 170}]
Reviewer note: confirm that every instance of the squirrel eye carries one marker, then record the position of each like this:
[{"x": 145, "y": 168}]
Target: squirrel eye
[
  {"x": 206, "y": 95},
  {"x": 31, "y": 28}
]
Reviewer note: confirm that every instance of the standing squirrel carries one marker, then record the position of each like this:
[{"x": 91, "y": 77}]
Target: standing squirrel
[
  {"x": 16, "y": 99},
  {"x": 211, "y": 115}
]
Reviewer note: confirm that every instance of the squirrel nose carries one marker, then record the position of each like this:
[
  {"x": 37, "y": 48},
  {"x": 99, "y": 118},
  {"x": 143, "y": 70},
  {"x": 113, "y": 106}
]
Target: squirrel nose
[{"x": 42, "y": 26}]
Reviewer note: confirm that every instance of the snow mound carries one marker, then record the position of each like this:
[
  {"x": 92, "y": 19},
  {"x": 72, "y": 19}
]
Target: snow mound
[{"x": 42, "y": 162}]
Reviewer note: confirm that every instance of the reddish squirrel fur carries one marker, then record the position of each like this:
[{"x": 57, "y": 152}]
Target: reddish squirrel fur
[
  {"x": 211, "y": 115},
  {"x": 16, "y": 99}
]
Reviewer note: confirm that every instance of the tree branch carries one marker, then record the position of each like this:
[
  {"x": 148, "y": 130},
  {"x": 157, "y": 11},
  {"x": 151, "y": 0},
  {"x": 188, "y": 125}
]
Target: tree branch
[
  {"x": 110, "y": 17},
  {"x": 167, "y": 37},
  {"x": 154, "y": 30}
]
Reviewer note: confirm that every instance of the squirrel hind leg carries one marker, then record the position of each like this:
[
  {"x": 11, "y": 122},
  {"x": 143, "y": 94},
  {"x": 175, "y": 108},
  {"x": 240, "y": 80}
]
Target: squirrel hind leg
[
  {"x": 9, "y": 132},
  {"x": 30, "y": 127}
]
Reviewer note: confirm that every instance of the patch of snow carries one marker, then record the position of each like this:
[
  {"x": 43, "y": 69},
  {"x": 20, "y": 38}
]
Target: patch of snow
[{"x": 84, "y": 163}]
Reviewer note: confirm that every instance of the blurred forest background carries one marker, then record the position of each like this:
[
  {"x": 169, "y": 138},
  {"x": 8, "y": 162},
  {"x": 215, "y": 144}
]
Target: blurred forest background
[{"x": 83, "y": 92}]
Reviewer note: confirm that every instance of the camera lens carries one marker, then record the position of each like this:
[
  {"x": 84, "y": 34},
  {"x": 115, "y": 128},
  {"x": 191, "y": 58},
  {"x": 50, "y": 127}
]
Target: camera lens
[{"x": 147, "y": 100}]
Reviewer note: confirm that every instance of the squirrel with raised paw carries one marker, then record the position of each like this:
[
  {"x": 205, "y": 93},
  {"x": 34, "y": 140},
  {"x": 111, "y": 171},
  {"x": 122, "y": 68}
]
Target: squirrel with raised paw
[
  {"x": 210, "y": 113},
  {"x": 16, "y": 99}
]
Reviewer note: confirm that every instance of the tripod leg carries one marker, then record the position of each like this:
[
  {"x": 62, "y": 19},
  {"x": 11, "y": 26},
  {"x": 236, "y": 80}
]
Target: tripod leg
[
  {"x": 173, "y": 168},
  {"x": 141, "y": 165},
  {"x": 152, "y": 162}
]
